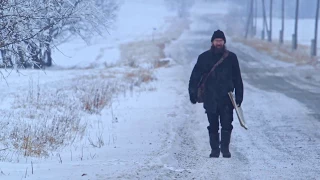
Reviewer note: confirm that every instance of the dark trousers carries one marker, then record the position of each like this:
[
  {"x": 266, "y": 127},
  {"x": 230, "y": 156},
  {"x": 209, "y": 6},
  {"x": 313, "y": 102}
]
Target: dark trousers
[{"x": 224, "y": 112}]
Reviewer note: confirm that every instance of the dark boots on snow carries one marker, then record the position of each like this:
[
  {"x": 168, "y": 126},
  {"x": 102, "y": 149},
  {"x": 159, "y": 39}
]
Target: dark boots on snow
[
  {"x": 214, "y": 143},
  {"x": 224, "y": 144},
  {"x": 225, "y": 141}
]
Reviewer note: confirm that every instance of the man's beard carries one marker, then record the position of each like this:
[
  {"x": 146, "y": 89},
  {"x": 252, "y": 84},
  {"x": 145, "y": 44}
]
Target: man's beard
[{"x": 218, "y": 49}]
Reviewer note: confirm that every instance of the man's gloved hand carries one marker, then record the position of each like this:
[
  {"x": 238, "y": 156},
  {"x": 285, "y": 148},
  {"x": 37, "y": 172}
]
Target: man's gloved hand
[{"x": 193, "y": 98}]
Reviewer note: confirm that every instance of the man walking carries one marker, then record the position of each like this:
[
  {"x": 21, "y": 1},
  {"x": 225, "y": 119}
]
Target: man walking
[{"x": 223, "y": 75}]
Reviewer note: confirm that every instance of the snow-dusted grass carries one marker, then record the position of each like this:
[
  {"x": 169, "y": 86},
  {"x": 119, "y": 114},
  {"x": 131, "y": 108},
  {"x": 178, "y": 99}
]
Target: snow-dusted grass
[
  {"x": 305, "y": 30},
  {"x": 234, "y": 26},
  {"x": 143, "y": 51},
  {"x": 150, "y": 52},
  {"x": 281, "y": 52},
  {"x": 41, "y": 119}
]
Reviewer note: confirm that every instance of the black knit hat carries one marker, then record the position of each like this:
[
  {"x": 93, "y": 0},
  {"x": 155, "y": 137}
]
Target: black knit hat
[{"x": 218, "y": 34}]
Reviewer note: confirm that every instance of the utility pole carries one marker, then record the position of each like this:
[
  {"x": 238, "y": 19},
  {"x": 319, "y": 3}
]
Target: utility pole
[
  {"x": 252, "y": 18},
  {"x": 295, "y": 35},
  {"x": 265, "y": 24},
  {"x": 270, "y": 32},
  {"x": 256, "y": 17},
  {"x": 314, "y": 41},
  {"x": 282, "y": 22},
  {"x": 263, "y": 21},
  {"x": 249, "y": 21}
]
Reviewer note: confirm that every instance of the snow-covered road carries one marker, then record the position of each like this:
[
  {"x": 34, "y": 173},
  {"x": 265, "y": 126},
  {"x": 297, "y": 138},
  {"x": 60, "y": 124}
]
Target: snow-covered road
[
  {"x": 283, "y": 139},
  {"x": 282, "y": 142}
]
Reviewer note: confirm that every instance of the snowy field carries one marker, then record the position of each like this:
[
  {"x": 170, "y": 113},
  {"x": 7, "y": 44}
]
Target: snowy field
[
  {"x": 119, "y": 109},
  {"x": 104, "y": 50}
]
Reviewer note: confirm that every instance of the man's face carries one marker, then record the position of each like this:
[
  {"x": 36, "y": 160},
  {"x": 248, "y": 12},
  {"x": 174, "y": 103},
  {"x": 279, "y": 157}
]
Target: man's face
[{"x": 218, "y": 43}]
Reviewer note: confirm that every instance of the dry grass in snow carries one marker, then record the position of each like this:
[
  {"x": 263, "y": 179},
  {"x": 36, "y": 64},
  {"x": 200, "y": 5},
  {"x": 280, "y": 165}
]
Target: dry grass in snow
[
  {"x": 301, "y": 56},
  {"x": 43, "y": 119},
  {"x": 150, "y": 52}
]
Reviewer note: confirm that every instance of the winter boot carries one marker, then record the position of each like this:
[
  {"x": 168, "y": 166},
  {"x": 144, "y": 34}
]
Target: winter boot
[
  {"x": 214, "y": 143},
  {"x": 225, "y": 141}
]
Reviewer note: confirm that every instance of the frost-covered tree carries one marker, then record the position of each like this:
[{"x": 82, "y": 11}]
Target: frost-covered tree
[{"x": 29, "y": 29}]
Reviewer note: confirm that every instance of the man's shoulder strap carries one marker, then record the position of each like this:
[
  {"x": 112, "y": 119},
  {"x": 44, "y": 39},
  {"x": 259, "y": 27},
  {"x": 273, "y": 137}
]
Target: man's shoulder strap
[{"x": 224, "y": 56}]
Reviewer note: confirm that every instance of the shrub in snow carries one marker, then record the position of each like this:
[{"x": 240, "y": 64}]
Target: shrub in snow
[{"x": 45, "y": 119}]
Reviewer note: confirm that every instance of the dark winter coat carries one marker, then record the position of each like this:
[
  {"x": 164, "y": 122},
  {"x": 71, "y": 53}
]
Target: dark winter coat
[{"x": 225, "y": 78}]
